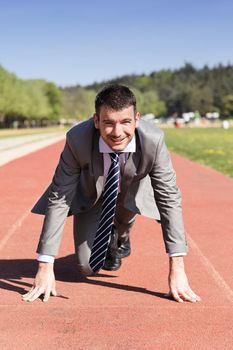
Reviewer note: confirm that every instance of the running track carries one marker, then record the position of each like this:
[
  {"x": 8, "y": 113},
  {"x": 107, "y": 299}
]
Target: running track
[{"x": 126, "y": 309}]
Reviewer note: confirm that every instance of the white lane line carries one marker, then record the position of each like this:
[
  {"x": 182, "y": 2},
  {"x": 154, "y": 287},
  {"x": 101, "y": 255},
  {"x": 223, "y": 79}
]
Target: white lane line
[
  {"x": 211, "y": 269},
  {"x": 10, "y": 143},
  {"x": 14, "y": 228},
  {"x": 25, "y": 149}
]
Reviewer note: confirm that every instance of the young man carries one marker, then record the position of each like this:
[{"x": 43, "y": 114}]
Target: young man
[{"x": 113, "y": 167}]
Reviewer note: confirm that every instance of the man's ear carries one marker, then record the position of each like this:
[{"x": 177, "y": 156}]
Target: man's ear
[
  {"x": 137, "y": 118},
  {"x": 96, "y": 121}
]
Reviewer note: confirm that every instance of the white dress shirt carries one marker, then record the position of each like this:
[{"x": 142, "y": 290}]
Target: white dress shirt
[{"x": 105, "y": 149}]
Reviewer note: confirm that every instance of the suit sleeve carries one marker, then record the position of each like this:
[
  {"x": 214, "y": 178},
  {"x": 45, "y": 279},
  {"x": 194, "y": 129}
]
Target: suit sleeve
[
  {"x": 62, "y": 192},
  {"x": 168, "y": 199}
]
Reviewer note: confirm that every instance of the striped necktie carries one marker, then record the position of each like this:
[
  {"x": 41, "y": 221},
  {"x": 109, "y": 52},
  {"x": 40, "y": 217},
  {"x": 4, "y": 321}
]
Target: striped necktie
[{"x": 102, "y": 238}]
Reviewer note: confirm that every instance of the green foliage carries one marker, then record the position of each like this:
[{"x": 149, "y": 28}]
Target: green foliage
[
  {"x": 78, "y": 103},
  {"x": 54, "y": 98},
  {"x": 152, "y": 104},
  {"x": 228, "y": 105},
  {"x": 184, "y": 90},
  {"x": 162, "y": 93},
  {"x": 30, "y": 100}
]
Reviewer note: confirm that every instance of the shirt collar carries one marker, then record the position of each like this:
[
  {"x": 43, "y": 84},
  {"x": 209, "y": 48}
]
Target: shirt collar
[{"x": 104, "y": 148}]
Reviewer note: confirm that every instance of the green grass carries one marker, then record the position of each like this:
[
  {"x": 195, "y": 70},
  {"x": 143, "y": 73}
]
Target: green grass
[
  {"x": 210, "y": 146},
  {"x": 4, "y": 133}
]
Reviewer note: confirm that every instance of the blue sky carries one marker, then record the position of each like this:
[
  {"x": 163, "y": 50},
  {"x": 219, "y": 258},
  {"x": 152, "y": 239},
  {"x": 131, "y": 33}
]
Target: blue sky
[{"x": 78, "y": 42}]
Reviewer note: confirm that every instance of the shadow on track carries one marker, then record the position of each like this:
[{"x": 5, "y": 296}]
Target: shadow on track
[{"x": 13, "y": 271}]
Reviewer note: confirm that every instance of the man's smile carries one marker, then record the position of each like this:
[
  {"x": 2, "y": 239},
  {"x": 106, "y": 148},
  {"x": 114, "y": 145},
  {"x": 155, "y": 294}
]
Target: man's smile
[{"x": 116, "y": 140}]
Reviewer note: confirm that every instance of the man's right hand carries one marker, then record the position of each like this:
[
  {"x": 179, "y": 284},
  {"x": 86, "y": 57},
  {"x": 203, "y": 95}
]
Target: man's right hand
[{"x": 44, "y": 283}]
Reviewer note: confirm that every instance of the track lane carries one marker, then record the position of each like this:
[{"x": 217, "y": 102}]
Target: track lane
[{"x": 122, "y": 309}]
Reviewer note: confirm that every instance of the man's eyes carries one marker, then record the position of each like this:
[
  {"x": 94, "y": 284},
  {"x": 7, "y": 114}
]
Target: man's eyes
[{"x": 123, "y": 122}]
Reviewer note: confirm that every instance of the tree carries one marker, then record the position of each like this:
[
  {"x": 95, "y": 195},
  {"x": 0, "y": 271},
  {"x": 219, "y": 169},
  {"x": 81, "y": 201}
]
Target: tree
[
  {"x": 78, "y": 103},
  {"x": 152, "y": 104},
  {"x": 228, "y": 106}
]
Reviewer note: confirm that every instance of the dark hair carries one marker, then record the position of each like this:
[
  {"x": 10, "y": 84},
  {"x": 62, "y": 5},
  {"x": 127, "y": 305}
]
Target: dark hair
[{"x": 116, "y": 97}]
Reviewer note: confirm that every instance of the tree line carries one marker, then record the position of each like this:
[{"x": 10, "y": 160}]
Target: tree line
[
  {"x": 187, "y": 89},
  {"x": 163, "y": 93},
  {"x": 27, "y": 102}
]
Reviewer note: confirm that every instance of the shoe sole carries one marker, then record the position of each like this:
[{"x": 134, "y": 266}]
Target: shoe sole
[{"x": 111, "y": 269}]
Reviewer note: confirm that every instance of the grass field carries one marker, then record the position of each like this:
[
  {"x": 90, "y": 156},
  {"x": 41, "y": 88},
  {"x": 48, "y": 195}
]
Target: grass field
[
  {"x": 4, "y": 133},
  {"x": 210, "y": 146}
]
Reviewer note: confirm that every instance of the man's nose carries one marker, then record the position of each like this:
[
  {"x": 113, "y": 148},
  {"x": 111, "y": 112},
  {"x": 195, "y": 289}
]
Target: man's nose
[{"x": 117, "y": 130}]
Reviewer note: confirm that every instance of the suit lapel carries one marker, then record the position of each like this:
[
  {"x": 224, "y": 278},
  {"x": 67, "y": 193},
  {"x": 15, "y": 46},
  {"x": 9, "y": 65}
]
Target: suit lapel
[
  {"x": 97, "y": 165},
  {"x": 131, "y": 167}
]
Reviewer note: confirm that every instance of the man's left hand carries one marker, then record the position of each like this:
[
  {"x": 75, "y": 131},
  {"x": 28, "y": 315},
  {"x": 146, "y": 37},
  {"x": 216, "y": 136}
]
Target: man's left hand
[{"x": 178, "y": 282}]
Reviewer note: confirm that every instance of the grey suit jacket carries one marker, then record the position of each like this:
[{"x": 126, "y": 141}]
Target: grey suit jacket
[{"x": 148, "y": 185}]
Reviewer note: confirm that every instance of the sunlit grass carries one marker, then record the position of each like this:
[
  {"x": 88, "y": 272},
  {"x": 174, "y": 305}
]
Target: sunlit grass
[
  {"x": 30, "y": 131},
  {"x": 210, "y": 146}
]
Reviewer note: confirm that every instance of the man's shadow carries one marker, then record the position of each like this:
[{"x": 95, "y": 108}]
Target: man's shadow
[{"x": 13, "y": 271}]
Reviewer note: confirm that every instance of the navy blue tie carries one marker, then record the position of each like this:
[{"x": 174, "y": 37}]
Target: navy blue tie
[{"x": 102, "y": 238}]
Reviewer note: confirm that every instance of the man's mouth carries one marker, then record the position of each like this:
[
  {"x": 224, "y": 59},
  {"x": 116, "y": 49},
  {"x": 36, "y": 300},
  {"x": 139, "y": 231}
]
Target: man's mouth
[{"x": 117, "y": 141}]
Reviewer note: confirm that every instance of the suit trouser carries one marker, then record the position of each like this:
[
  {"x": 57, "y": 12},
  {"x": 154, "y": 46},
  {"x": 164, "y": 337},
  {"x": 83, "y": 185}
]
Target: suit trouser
[{"x": 86, "y": 225}]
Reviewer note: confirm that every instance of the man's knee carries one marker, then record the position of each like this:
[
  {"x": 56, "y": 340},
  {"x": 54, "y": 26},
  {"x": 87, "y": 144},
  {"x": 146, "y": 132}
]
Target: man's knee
[
  {"x": 82, "y": 256},
  {"x": 85, "y": 269}
]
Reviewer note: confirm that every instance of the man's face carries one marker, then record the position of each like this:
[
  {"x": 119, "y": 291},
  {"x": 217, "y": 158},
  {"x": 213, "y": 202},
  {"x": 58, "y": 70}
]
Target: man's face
[{"x": 117, "y": 127}]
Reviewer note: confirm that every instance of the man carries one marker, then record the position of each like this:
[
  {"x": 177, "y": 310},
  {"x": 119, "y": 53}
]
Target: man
[{"x": 116, "y": 149}]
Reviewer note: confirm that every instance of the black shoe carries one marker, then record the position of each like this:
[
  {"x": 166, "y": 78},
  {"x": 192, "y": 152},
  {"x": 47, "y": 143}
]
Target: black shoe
[
  {"x": 124, "y": 249},
  {"x": 112, "y": 264},
  {"x": 113, "y": 258}
]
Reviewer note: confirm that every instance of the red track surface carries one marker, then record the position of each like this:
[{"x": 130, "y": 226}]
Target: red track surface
[{"x": 126, "y": 309}]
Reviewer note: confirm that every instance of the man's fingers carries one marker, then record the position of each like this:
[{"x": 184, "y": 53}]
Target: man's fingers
[
  {"x": 54, "y": 292},
  {"x": 176, "y": 296},
  {"x": 28, "y": 295},
  {"x": 36, "y": 295},
  {"x": 195, "y": 296},
  {"x": 49, "y": 292},
  {"x": 187, "y": 295},
  {"x": 46, "y": 295},
  {"x": 36, "y": 292}
]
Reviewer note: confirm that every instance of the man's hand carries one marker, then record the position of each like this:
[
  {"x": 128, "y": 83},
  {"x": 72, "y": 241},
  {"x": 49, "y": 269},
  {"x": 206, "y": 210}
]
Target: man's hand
[
  {"x": 178, "y": 282},
  {"x": 44, "y": 283}
]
